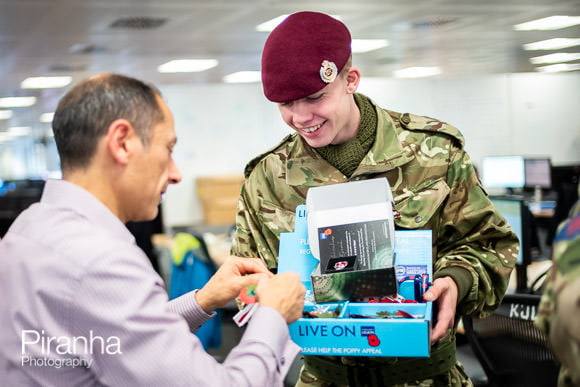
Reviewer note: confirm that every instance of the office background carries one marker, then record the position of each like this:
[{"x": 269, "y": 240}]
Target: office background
[
  {"x": 486, "y": 81},
  {"x": 221, "y": 127}
]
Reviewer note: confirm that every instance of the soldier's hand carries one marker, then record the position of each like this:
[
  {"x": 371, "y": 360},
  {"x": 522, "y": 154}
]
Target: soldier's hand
[
  {"x": 444, "y": 292},
  {"x": 283, "y": 292},
  {"x": 233, "y": 275}
]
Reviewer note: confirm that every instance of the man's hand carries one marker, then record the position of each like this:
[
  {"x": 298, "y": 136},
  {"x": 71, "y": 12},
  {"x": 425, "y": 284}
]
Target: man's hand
[
  {"x": 232, "y": 276},
  {"x": 283, "y": 292},
  {"x": 444, "y": 291}
]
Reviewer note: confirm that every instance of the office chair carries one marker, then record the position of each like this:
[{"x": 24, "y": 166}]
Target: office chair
[{"x": 511, "y": 349}]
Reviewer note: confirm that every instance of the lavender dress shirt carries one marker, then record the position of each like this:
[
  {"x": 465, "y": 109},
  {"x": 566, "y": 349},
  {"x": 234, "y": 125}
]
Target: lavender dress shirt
[{"x": 80, "y": 305}]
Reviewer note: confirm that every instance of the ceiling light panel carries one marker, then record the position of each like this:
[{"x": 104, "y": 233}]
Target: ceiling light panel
[
  {"x": 9, "y": 102},
  {"x": 417, "y": 72},
  {"x": 46, "y": 117},
  {"x": 552, "y": 44},
  {"x": 548, "y": 23},
  {"x": 558, "y": 57},
  {"x": 187, "y": 65},
  {"x": 366, "y": 45},
  {"x": 558, "y": 68},
  {"x": 5, "y": 114},
  {"x": 243, "y": 77},
  {"x": 45, "y": 82},
  {"x": 269, "y": 25},
  {"x": 19, "y": 131}
]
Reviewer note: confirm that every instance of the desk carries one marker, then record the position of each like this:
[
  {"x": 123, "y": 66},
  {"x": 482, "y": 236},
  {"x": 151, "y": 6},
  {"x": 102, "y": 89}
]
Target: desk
[
  {"x": 543, "y": 209},
  {"x": 534, "y": 270}
]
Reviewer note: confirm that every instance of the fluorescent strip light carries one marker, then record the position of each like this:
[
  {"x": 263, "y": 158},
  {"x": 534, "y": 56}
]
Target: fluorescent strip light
[
  {"x": 556, "y": 58},
  {"x": 552, "y": 44},
  {"x": 45, "y": 82},
  {"x": 5, "y": 137},
  {"x": 9, "y": 102},
  {"x": 46, "y": 117},
  {"x": 560, "y": 67},
  {"x": 19, "y": 130},
  {"x": 548, "y": 23},
  {"x": 269, "y": 25},
  {"x": 417, "y": 72},
  {"x": 366, "y": 45},
  {"x": 243, "y": 77},
  {"x": 187, "y": 65},
  {"x": 5, "y": 114}
]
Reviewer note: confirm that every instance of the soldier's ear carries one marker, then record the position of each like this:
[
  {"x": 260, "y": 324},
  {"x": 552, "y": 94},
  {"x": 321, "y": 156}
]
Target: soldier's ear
[{"x": 352, "y": 79}]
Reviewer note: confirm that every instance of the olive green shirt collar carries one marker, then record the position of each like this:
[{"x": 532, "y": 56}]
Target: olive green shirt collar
[{"x": 306, "y": 167}]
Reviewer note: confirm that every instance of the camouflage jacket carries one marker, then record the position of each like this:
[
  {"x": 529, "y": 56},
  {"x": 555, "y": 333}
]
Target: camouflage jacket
[
  {"x": 434, "y": 187},
  {"x": 559, "y": 312}
]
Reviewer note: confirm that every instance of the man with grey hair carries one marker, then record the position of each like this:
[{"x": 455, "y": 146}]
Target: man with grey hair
[{"x": 81, "y": 303}]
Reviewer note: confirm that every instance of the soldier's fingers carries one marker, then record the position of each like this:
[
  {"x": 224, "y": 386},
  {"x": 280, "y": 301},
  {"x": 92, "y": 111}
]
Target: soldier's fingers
[{"x": 434, "y": 292}]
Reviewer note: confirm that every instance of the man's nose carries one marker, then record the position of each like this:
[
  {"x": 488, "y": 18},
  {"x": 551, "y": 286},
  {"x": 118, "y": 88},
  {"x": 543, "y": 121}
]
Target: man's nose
[{"x": 174, "y": 173}]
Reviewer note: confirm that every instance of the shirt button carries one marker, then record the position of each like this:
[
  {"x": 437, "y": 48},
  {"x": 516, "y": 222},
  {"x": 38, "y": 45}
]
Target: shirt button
[
  {"x": 418, "y": 219},
  {"x": 282, "y": 361}
]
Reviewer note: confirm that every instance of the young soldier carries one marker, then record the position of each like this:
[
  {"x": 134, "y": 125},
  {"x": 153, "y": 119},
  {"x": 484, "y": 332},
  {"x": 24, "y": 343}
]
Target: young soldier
[{"x": 344, "y": 136}]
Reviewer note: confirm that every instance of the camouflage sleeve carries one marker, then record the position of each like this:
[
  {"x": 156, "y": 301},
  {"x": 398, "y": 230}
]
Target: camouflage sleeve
[
  {"x": 259, "y": 218},
  {"x": 475, "y": 237},
  {"x": 243, "y": 244},
  {"x": 252, "y": 239},
  {"x": 559, "y": 309}
]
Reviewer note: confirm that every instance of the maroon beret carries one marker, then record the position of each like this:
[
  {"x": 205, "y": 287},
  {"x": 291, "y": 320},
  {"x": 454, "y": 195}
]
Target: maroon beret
[{"x": 302, "y": 55}]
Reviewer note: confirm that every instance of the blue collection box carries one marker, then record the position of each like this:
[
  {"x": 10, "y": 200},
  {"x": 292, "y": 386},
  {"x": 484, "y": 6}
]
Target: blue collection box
[{"x": 364, "y": 328}]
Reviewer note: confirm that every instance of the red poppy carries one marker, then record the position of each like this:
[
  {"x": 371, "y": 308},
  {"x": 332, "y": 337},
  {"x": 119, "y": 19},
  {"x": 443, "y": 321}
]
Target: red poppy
[{"x": 373, "y": 340}]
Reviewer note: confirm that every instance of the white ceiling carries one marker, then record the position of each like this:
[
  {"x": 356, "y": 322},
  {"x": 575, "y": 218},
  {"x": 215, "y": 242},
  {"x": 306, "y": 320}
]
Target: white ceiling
[{"x": 463, "y": 37}]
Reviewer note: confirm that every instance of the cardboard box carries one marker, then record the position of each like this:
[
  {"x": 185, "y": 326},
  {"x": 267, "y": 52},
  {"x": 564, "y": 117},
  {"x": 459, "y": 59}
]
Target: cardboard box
[
  {"x": 348, "y": 336},
  {"x": 220, "y": 212},
  {"x": 381, "y": 337},
  {"x": 219, "y": 198},
  {"x": 351, "y": 232}
]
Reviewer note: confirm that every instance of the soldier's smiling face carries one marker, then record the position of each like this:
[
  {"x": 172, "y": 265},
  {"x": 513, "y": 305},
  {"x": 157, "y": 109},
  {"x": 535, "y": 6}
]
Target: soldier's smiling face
[{"x": 329, "y": 116}]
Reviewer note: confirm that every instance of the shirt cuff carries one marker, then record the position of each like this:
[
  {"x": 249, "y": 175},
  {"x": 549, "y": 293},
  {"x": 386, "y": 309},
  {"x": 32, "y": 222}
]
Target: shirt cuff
[
  {"x": 187, "y": 306},
  {"x": 268, "y": 319}
]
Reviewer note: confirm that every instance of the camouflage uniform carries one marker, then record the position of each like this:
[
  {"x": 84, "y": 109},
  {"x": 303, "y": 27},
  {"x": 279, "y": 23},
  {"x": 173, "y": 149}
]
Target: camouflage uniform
[
  {"x": 559, "y": 312},
  {"x": 434, "y": 187}
]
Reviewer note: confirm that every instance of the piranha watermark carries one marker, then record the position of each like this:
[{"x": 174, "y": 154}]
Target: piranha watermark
[{"x": 41, "y": 350}]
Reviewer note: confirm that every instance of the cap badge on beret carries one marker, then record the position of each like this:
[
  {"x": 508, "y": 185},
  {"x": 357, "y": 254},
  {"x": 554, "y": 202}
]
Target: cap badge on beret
[{"x": 328, "y": 71}]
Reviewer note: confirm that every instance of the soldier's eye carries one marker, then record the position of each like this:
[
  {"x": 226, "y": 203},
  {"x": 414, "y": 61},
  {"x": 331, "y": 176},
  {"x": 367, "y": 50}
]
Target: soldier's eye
[{"x": 314, "y": 98}]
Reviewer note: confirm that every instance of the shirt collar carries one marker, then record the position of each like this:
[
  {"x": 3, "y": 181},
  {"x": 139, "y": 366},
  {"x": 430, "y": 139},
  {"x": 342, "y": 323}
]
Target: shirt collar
[{"x": 67, "y": 195}]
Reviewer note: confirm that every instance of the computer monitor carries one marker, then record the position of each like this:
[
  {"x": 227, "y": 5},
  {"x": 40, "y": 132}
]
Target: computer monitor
[
  {"x": 15, "y": 197},
  {"x": 538, "y": 173},
  {"x": 565, "y": 180},
  {"x": 518, "y": 216},
  {"x": 503, "y": 172}
]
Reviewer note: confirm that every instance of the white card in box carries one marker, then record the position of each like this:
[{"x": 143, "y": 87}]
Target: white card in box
[
  {"x": 351, "y": 233},
  {"x": 382, "y": 331}
]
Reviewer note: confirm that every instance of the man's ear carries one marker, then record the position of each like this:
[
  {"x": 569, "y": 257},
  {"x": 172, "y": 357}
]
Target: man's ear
[
  {"x": 120, "y": 140},
  {"x": 352, "y": 79}
]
